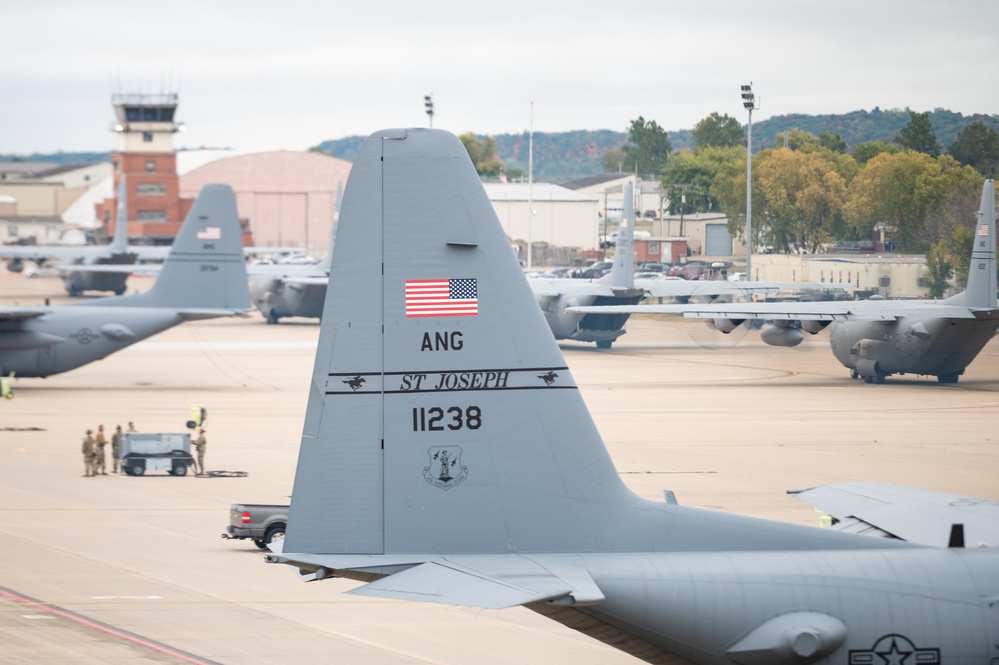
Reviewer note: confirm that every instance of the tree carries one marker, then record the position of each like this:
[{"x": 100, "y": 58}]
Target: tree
[
  {"x": 690, "y": 175},
  {"x": 977, "y": 146},
  {"x": 863, "y": 152},
  {"x": 613, "y": 161},
  {"x": 482, "y": 154},
  {"x": 648, "y": 148},
  {"x": 717, "y": 131},
  {"x": 949, "y": 256},
  {"x": 833, "y": 142},
  {"x": 913, "y": 194},
  {"x": 802, "y": 195},
  {"x": 918, "y": 135}
]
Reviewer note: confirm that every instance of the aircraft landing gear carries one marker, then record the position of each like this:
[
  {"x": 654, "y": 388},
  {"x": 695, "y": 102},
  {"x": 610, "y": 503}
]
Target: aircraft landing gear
[
  {"x": 854, "y": 374},
  {"x": 605, "y": 344},
  {"x": 949, "y": 378},
  {"x": 272, "y": 317}
]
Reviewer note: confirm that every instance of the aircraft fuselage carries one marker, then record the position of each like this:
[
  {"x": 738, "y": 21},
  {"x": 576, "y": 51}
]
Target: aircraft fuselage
[
  {"x": 790, "y": 607},
  {"x": 277, "y": 298},
  {"x": 72, "y": 336},
  {"x": 930, "y": 345}
]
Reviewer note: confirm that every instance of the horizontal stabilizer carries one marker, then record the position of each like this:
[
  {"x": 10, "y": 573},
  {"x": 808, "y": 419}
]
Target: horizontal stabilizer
[
  {"x": 441, "y": 582},
  {"x": 488, "y": 581},
  {"x": 913, "y": 515}
]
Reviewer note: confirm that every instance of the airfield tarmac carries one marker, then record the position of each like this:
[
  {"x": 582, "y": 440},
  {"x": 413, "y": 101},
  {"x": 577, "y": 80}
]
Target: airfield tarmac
[{"x": 132, "y": 570}]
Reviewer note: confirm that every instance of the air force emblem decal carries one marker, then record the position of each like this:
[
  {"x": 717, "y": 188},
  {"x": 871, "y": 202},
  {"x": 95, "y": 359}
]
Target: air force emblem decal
[{"x": 445, "y": 469}]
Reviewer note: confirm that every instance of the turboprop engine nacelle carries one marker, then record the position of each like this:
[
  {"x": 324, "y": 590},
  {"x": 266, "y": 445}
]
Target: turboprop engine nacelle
[
  {"x": 814, "y": 327},
  {"x": 724, "y": 325},
  {"x": 778, "y": 335}
]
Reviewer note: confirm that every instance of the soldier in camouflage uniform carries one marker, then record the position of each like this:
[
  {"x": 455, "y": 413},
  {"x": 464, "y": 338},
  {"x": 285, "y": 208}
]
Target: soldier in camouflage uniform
[
  {"x": 88, "y": 448},
  {"x": 115, "y": 447},
  {"x": 100, "y": 459},
  {"x": 200, "y": 444}
]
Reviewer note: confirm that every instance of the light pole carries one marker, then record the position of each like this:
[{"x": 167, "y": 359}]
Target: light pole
[
  {"x": 428, "y": 101},
  {"x": 749, "y": 101},
  {"x": 530, "y": 187}
]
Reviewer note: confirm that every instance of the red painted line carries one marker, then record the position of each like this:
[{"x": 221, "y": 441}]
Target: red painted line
[{"x": 110, "y": 630}]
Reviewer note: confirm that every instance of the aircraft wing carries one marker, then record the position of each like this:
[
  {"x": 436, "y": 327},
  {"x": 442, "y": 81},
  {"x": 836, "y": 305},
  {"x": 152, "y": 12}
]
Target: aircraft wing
[
  {"x": 914, "y": 515},
  {"x": 126, "y": 268},
  {"x": 570, "y": 287},
  {"x": 197, "y": 314},
  {"x": 51, "y": 252},
  {"x": 308, "y": 281},
  {"x": 487, "y": 581},
  {"x": 857, "y": 310},
  {"x": 21, "y": 313},
  {"x": 672, "y": 288}
]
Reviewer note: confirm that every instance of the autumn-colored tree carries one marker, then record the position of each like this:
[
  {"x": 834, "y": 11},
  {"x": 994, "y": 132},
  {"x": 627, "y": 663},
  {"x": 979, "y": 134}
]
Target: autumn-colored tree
[
  {"x": 802, "y": 195},
  {"x": 905, "y": 190}
]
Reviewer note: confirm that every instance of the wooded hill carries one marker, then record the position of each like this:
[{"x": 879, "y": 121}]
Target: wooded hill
[{"x": 563, "y": 156}]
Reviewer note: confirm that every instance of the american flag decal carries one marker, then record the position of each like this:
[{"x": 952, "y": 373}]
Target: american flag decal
[
  {"x": 441, "y": 297},
  {"x": 983, "y": 230},
  {"x": 210, "y": 233}
]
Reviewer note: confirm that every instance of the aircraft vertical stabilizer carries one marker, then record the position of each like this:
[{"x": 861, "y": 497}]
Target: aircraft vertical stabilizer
[
  {"x": 981, "y": 291},
  {"x": 435, "y": 365},
  {"x": 622, "y": 273},
  {"x": 119, "y": 241},
  {"x": 206, "y": 268}
]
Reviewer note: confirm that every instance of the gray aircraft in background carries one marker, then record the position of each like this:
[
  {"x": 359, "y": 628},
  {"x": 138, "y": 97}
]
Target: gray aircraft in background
[
  {"x": 280, "y": 290},
  {"x": 447, "y": 456},
  {"x": 878, "y": 338},
  {"x": 204, "y": 276},
  {"x": 562, "y": 300}
]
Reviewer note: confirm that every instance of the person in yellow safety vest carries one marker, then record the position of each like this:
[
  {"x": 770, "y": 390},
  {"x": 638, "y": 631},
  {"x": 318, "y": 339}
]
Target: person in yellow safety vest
[{"x": 5, "y": 389}]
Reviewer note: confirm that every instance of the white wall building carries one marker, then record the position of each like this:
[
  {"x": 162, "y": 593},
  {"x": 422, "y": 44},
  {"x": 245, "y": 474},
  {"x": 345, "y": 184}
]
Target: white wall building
[{"x": 562, "y": 217}]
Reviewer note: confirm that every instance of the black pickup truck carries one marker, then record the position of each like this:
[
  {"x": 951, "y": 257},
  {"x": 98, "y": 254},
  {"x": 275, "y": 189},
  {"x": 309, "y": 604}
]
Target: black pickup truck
[{"x": 261, "y": 523}]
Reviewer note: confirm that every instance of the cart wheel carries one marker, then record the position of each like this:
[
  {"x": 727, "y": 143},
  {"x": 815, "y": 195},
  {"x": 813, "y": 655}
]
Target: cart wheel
[
  {"x": 179, "y": 470},
  {"x": 137, "y": 468},
  {"x": 259, "y": 542}
]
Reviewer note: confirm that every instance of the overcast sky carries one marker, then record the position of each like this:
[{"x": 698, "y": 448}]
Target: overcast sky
[{"x": 288, "y": 75}]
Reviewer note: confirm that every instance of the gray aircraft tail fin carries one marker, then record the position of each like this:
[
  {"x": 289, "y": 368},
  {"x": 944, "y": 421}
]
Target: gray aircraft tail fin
[
  {"x": 328, "y": 259},
  {"x": 119, "y": 240},
  {"x": 206, "y": 267},
  {"x": 441, "y": 415},
  {"x": 981, "y": 290},
  {"x": 622, "y": 273}
]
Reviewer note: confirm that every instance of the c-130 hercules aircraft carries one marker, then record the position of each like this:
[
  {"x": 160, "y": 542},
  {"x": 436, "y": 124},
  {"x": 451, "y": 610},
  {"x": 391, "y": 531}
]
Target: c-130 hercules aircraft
[
  {"x": 878, "y": 338},
  {"x": 447, "y": 456},
  {"x": 204, "y": 277}
]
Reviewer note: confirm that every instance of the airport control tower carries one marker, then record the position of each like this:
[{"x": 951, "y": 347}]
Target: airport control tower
[{"x": 144, "y": 127}]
